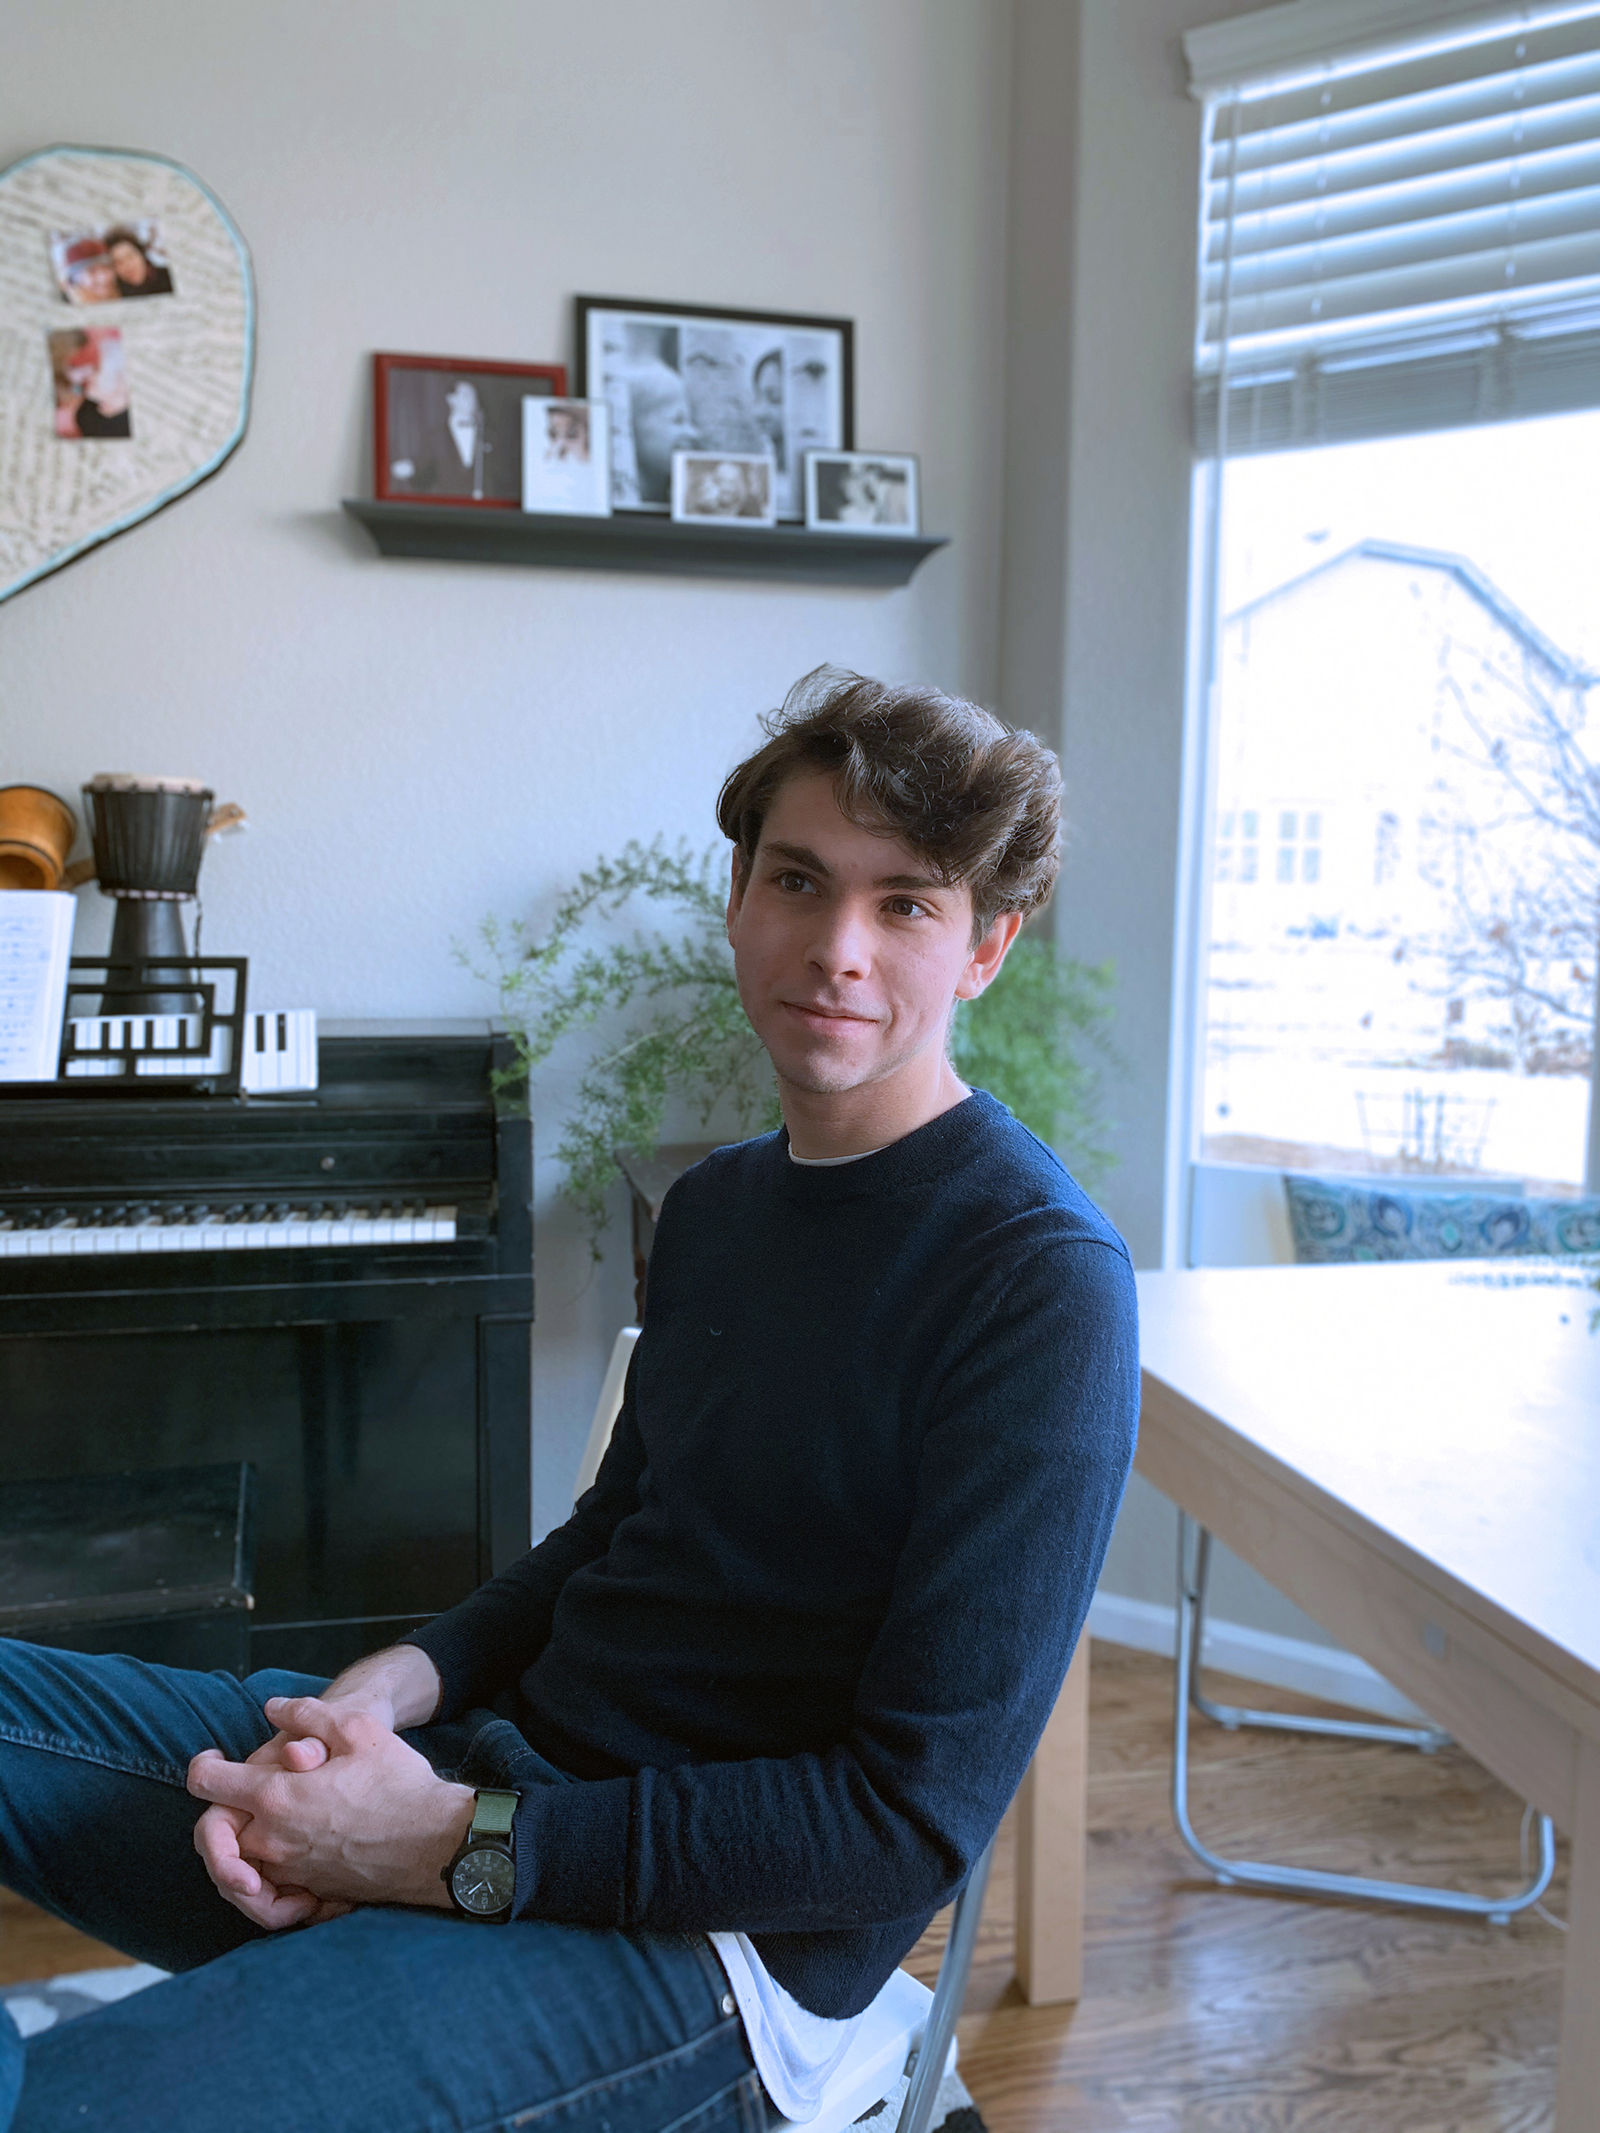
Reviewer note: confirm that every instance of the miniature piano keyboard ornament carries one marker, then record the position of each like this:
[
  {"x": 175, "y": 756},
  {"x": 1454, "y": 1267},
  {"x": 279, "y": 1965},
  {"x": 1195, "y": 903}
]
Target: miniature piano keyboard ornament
[{"x": 279, "y": 1053}]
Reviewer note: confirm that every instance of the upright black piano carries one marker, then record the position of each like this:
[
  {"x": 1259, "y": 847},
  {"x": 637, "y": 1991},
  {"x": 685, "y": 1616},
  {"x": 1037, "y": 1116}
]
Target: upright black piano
[{"x": 337, "y": 1288}]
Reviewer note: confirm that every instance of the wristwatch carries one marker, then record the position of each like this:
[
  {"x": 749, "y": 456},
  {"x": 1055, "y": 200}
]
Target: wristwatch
[{"x": 482, "y": 1876}]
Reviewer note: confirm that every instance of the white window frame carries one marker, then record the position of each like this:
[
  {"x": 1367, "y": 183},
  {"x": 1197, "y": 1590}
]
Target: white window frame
[{"x": 1296, "y": 46}]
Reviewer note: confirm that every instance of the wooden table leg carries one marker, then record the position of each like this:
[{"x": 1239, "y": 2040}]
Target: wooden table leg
[
  {"x": 1052, "y": 1805},
  {"x": 1578, "y": 2079}
]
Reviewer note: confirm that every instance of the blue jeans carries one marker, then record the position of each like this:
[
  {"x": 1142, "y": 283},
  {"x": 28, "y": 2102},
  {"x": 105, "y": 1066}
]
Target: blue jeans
[{"x": 389, "y": 2019}]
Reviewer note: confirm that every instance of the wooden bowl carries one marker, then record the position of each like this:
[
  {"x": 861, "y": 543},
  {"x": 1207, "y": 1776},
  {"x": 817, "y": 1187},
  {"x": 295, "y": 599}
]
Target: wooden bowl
[{"x": 36, "y": 833}]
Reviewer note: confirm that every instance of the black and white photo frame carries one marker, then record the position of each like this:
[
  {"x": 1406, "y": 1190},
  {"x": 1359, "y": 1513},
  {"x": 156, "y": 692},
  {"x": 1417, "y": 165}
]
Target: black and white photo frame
[
  {"x": 693, "y": 378},
  {"x": 448, "y": 429},
  {"x": 730, "y": 488},
  {"x": 862, "y": 492}
]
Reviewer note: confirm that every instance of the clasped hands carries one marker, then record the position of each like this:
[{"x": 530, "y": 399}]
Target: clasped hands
[{"x": 334, "y": 1811}]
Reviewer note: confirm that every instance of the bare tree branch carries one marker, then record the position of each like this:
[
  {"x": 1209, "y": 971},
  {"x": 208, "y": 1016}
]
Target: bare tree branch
[{"x": 1523, "y": 879}]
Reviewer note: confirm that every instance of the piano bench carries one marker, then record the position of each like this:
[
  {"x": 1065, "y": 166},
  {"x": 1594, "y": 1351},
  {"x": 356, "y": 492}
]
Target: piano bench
[{"x": 157, "y": 1565}]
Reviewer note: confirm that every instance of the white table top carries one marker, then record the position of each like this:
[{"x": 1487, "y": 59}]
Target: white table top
[{"x": 1447, "y": 1413}]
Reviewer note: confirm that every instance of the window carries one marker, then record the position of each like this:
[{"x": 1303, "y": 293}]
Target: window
[
  {"x": 1407, "y": 685},
  {"x": 1398, "y": 397}
]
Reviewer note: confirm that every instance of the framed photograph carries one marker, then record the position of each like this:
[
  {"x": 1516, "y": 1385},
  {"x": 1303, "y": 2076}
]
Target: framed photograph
[
  {"x": 566, "y": 457},
  {"x": 106, "y": 265},
  {"x": 862, "y": 492},
  {"x": 690, "y": 378},
  {"x": 737, "y": 487},
  {"x": 448, "y": 429}
]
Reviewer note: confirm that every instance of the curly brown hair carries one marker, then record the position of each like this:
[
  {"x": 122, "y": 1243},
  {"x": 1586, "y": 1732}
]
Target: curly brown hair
[{"x": 976, "y": 801}]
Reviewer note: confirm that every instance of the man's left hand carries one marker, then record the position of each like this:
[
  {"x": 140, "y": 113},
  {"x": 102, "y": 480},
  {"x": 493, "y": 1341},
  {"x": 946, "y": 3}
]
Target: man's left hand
[{"x": 369, "y": 1824}]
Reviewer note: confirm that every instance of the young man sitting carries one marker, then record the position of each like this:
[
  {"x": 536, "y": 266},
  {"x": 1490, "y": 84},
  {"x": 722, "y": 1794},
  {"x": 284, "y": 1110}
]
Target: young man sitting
[{"x": 711, "y": 1756}]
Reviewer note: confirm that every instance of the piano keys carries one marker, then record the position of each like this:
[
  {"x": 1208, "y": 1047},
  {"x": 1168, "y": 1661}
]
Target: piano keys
[{"x": 83, "y": 1229}]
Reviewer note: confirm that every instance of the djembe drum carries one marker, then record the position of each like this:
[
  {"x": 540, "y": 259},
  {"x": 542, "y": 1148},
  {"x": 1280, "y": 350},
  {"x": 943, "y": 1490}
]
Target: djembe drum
[{"x": 149, "y": 837}]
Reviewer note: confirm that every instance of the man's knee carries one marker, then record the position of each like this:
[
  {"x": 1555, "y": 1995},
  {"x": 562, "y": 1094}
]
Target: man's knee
[{"x": 128, "y": 1714}]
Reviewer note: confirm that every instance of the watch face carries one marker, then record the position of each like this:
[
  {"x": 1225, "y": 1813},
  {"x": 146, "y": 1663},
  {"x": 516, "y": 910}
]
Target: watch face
[{"x": 484, "y": 1880}]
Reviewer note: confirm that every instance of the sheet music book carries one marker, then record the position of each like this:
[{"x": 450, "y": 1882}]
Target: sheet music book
[{"x": 35, "y": 946}]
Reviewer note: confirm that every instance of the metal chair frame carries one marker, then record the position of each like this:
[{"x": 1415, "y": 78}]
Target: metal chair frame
[
  {"x": 1256, "y": 1874},
  {"x": 927, "y": 2061}
]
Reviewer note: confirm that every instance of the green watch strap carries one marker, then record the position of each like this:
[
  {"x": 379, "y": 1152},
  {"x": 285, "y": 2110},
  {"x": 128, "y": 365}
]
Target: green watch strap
[{"x": 493, "y": 1814}]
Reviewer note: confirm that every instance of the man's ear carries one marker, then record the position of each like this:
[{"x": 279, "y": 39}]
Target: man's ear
[{"x": 983, "y": 965}]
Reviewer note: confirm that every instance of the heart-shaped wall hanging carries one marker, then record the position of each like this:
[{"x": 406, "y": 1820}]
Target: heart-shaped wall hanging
[{"x": 127, "y": 341}]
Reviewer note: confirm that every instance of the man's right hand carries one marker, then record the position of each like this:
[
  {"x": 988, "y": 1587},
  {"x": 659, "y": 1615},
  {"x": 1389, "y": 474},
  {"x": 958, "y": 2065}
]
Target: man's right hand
[
  {"x": 218, "y": 1836},
  {"x": 396, "y": 1688}
]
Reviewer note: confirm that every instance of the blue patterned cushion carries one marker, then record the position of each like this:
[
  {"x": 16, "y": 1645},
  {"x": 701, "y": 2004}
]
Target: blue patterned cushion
[{"x": 1336, "y": 1222}]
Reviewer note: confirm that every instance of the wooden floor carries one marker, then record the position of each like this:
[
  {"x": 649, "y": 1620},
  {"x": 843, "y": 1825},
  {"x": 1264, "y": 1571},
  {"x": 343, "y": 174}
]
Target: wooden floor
[{"x": 1212, "y": 2011}]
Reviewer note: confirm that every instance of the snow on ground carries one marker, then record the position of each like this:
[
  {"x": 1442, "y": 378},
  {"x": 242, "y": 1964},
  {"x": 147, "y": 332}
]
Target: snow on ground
[{"x": 1332, "y": 1043}]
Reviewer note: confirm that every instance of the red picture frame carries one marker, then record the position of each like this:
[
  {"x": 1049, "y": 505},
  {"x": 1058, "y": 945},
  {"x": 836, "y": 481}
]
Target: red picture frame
[{"x": 448, "y": 429}]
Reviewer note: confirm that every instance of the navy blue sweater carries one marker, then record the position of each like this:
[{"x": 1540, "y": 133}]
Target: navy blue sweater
[{"x": 802, "y": 1635}]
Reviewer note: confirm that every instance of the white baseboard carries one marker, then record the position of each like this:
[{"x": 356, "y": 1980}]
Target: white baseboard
[{"x": 1319, "y": 1670}]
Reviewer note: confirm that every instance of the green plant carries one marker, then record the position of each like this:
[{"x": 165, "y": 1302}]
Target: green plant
[
  {"x": 695, "y": 1043},
  {"x": 1032, "y": 1040},
  {"x": 1026, "y": 1040}
]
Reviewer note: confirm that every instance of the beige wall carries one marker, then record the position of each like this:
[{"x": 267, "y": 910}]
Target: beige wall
[{"x": 418, "y": 744}]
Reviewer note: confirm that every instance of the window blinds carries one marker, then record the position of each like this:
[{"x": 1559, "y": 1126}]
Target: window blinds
[{"x": 1401, "y": 237}]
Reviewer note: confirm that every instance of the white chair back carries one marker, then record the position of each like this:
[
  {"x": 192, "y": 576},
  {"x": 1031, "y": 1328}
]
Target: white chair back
[{"x": 606, "y": 1410}]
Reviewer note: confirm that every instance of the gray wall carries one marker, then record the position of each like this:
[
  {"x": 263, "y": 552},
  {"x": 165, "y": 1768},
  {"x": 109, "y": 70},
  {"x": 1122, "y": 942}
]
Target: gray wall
[{"x": 420, "y": 744}]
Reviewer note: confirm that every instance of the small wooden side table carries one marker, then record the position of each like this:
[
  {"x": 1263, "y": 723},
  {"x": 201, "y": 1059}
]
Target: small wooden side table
[{"x": 650, "y": 1180}]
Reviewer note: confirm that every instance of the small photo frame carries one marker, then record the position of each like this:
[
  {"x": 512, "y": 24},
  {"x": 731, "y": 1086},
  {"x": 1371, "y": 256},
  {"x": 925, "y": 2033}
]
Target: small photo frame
[
  {"x": 566, "y": 457},
  {"x": 862, "y": 492},
  {"x": 448, "y": 429},
  {"x": 735, "y": 488}
]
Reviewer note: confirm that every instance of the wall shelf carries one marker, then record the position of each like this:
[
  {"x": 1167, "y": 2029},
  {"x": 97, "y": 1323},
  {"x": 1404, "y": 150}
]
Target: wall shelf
[{"x": 642, "y": 541}]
